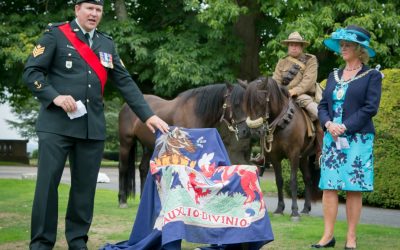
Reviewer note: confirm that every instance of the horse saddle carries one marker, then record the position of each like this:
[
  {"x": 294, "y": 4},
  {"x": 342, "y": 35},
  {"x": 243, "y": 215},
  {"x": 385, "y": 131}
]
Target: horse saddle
[{"x": 310, "y": 124}]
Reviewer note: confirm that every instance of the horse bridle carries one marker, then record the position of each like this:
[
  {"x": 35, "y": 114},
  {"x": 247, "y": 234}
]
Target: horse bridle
[
  {"x": 232, "y": 124},
  {"x": 269, "y": 129}
]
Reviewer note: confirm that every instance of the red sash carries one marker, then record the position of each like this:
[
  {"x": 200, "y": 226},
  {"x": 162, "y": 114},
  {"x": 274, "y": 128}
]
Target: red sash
[{"x": 86, "y": 53}]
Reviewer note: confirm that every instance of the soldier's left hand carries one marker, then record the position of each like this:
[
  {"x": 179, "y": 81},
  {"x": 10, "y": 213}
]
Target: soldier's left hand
[
  {"x": 155, "y": 122},
  {"x": 66, "y": 102}
]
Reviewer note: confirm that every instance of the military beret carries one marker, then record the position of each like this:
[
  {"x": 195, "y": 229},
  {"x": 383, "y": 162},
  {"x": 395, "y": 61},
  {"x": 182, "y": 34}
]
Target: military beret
[{"x": 98, "y": 2}]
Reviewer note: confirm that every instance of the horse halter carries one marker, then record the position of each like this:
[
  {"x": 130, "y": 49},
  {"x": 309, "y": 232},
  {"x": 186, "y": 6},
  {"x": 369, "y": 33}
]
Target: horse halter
[
  {"x": 261, "y": 120},
  {"x": 269, "y": 129},
  {"x": 232, "y": 124},
  {"x": 264, "y": 123}
]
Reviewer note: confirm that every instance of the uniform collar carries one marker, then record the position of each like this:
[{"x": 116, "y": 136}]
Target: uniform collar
[{"x": 91, "y": 33}]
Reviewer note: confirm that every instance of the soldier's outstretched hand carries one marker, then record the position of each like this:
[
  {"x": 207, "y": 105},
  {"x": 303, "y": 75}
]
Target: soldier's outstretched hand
[{"x": 155, "y": 122}]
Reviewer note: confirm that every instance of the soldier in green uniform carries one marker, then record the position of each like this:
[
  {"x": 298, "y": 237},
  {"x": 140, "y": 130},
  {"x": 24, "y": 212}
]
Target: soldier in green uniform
[
  {"x": 67, "y": 72},
  {"x": 298, "y": 71}
]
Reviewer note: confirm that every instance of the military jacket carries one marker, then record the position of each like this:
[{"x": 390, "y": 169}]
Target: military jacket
[
  {"x": 55, "y": 68},
  {"x": 305, "y": 79}
]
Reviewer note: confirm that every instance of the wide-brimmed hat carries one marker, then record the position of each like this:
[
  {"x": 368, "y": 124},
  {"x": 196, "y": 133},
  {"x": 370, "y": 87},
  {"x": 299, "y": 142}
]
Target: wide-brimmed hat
[
  {"x": 295, "y": 37},
  {"x": 351, "y": 33}
]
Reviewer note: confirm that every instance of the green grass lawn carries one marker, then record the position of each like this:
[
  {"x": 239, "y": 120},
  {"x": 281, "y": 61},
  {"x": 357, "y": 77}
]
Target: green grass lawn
[
  {"x": 33, "y": 162},
  {"x": 9, "y": 163},
  {"x": 268, "y": 187},
  {"x": 112, "y": 224}
]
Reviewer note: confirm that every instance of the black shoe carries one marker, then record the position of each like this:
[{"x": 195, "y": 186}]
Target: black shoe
[{"x": 331, "y": 243}]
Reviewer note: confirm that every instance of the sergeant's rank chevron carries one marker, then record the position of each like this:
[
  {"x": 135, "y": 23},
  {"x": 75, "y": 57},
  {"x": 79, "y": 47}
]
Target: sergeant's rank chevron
[{"x": 38, "y": 50}]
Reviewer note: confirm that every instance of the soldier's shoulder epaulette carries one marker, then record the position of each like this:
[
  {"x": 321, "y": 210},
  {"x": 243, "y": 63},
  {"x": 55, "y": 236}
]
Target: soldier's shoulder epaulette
[
  {"x": 104, "y": 34},
  {"x": 52, "y": 25}
]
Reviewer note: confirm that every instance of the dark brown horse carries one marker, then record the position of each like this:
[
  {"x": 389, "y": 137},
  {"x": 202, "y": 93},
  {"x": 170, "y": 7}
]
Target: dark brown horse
[
  {"x": 281, "y": 126},
  {"x": 201, "y": 107}
]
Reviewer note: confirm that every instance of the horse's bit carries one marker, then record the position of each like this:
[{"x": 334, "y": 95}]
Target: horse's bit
[
  {"x": 232, "y": 125},
  {"x": 269, "y": 129},
  {"x": 263, "y": 121}
]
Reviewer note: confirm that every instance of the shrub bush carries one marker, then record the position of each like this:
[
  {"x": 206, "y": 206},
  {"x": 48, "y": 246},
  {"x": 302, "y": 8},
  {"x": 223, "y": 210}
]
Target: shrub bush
[
  {"x": 387, "y": 141},
  {"x": 111, "y": 155},
  {"x": 34, "y": 154},
  {"x": 286, "y": 180}
]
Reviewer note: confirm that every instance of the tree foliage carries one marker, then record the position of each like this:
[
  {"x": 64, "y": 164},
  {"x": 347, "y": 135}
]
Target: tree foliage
[
  {"x": 316, "y": 20},
  {"x": 26, "y": 114},
  {"x": 21, "y": 24},
  {"x": 170, "y": 46},
  {"x": 111, "y": 111}
]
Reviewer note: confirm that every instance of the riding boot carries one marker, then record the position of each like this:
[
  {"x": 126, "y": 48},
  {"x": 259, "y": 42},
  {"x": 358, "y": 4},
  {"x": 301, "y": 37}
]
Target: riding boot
[
  {"x": 319, "y": 135},
  {"x": 312, "y": 110}
]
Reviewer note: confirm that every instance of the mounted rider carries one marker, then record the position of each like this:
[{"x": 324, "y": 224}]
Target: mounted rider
[{"x": 298, "y": 71}]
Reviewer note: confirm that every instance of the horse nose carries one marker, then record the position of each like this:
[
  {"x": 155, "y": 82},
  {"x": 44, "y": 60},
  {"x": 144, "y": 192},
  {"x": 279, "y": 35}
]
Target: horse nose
[
  {"x": 256, "y": 133},
  {"x": 243, "y": 132}
]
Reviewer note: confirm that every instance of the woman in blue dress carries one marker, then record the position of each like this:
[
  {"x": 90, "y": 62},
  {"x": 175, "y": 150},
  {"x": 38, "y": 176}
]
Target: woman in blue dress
[{"x": 350, "y": 100}]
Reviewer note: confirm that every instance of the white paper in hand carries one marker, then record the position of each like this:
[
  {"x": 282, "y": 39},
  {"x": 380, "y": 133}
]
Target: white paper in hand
[
  {"x": 338, "y": 146},
  {"x": 342, "y": 143},
  {"x": 80, "y": 111}
]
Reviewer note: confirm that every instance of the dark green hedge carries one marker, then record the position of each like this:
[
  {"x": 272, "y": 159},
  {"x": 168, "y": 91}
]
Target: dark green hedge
[
  {"x": 387, "y": 143},
  {"x": 111, "y": 155},
  {"x": 387, "y": 148}
]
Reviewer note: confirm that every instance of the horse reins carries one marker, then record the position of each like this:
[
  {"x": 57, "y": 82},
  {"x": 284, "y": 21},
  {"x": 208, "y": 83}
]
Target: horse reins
[
  {"x": 232, "y": 125},
  {"x": 269, "y": 129}
]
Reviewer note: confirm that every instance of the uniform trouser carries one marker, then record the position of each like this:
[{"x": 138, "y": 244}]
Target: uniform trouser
[
  {"x": 307, "y": 102},
  {"x": 85, "y": 158}
]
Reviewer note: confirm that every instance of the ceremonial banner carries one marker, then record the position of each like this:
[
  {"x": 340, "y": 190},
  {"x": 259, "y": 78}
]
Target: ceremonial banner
[{"x": 193, "y": 193}]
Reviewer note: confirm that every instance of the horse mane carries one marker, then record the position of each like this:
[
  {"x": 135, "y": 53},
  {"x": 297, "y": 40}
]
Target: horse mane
[
  {"x": 277, "y": 91},
  {"x": 237, "y": 95},
  {"x": 278, "y": 94},
  {"x": 208, "y": 101}
]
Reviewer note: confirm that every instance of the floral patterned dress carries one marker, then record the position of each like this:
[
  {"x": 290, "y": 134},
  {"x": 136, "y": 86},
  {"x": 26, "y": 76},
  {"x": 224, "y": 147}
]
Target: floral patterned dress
[{"x": 349, "y": 169}]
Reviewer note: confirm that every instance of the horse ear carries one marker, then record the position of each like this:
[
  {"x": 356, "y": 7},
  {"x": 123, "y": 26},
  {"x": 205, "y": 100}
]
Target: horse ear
[{"x": 242, "y": 83}]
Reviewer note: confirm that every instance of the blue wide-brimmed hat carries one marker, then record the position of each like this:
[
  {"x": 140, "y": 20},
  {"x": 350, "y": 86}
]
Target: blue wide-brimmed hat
[{"x": 351, "y": 33}]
